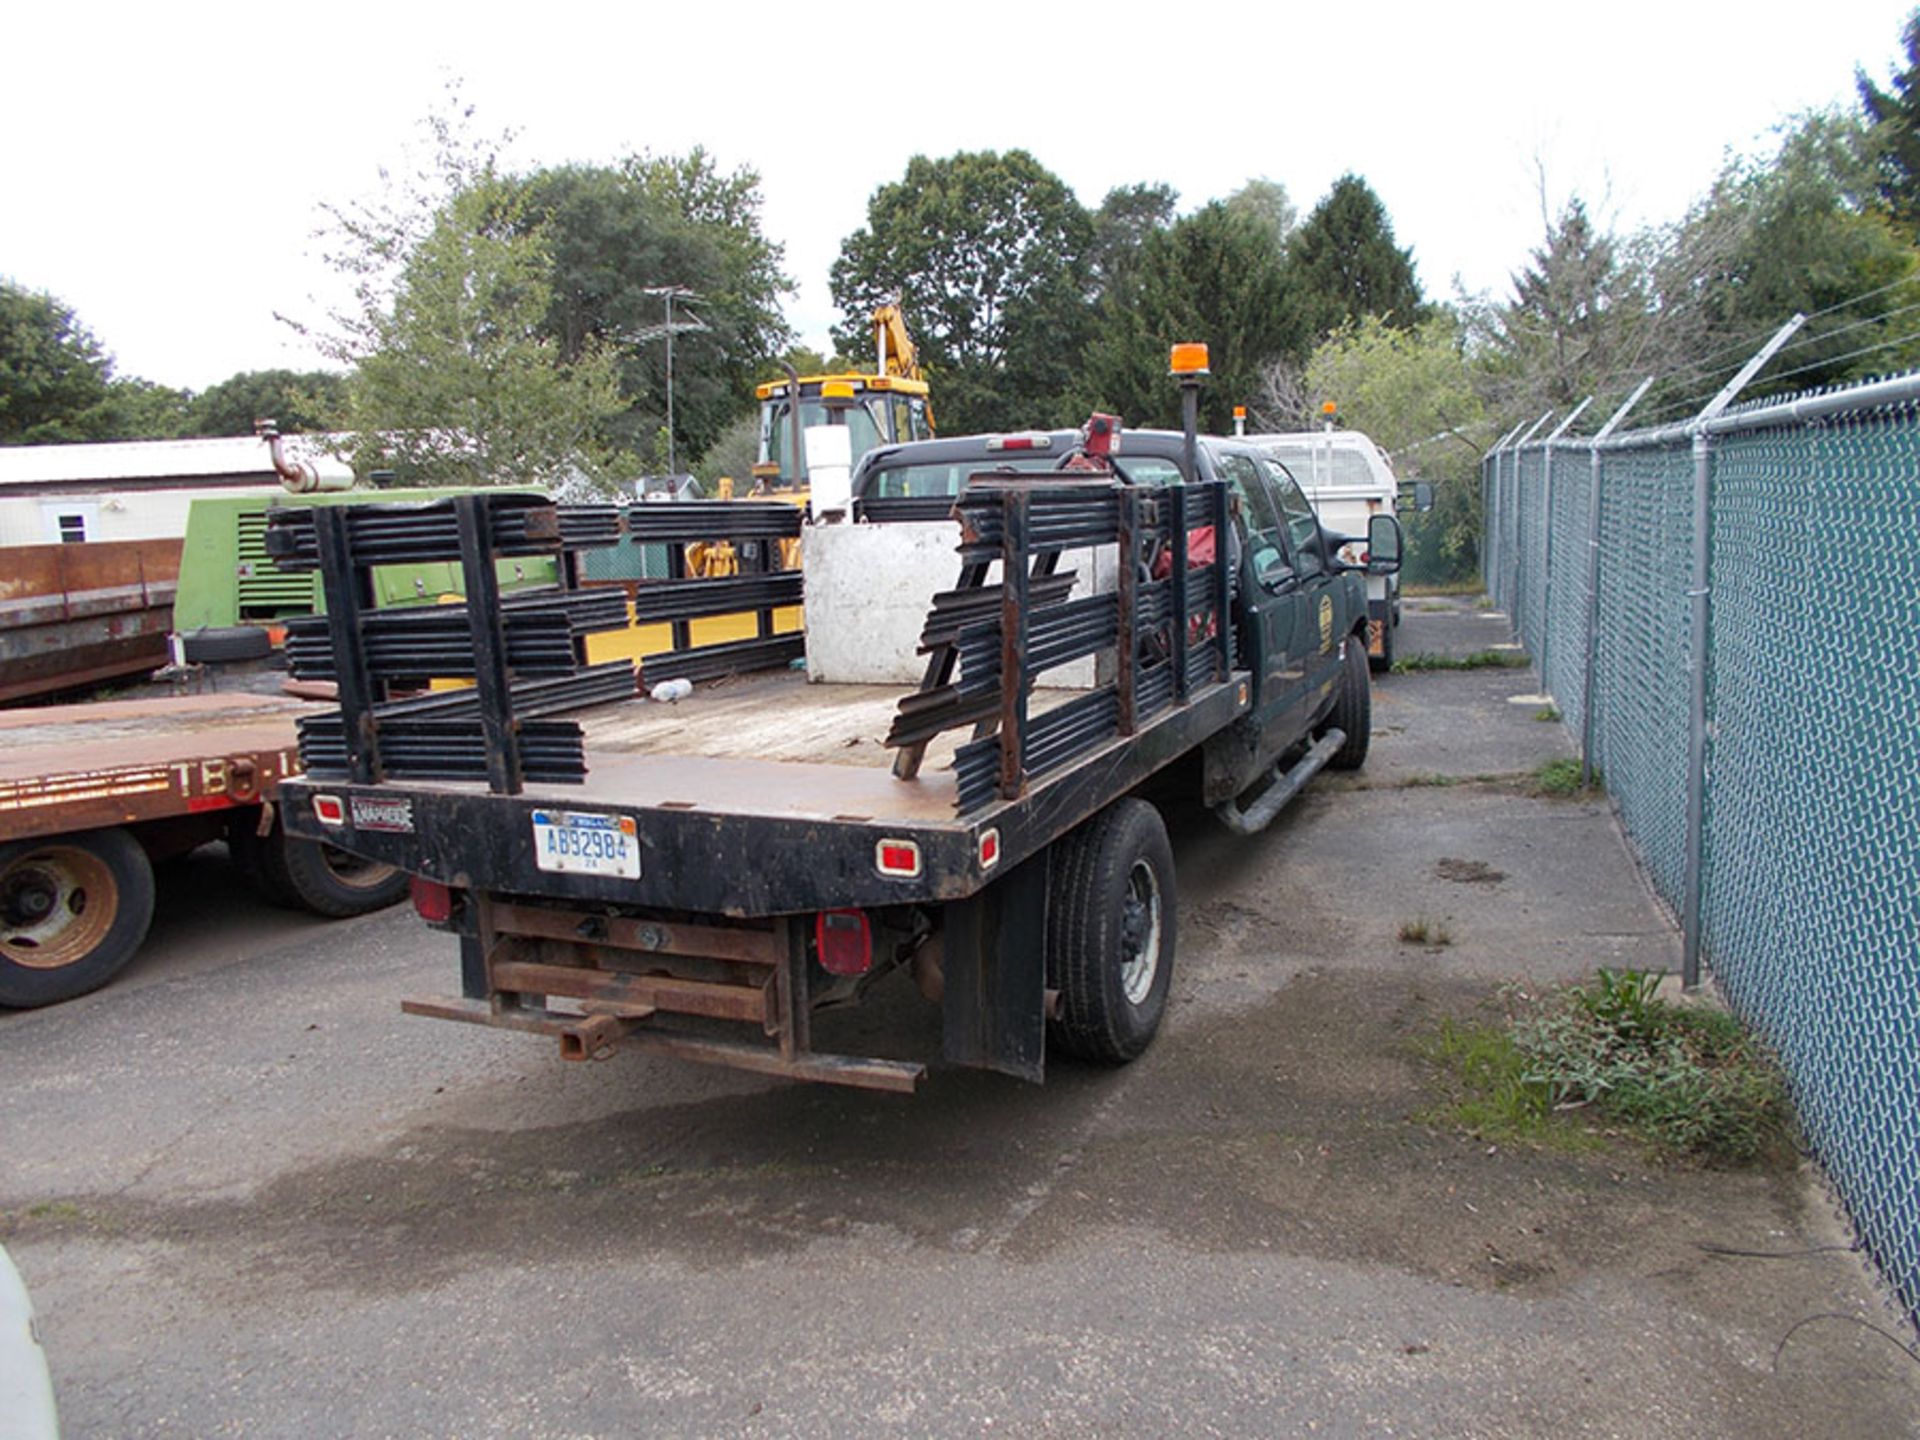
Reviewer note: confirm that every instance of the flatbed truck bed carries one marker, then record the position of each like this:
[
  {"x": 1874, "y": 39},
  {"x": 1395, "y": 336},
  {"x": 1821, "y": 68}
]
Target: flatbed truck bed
[{"x": 92, "y": 795}]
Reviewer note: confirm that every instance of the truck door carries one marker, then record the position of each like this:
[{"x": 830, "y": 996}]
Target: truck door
[
  {"x": 1317, "y": 643},
  {"x": 1278, "y": 608}
]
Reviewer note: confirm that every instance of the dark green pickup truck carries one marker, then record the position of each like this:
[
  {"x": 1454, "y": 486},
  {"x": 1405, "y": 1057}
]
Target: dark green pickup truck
[{"x": 703, "y": 878}]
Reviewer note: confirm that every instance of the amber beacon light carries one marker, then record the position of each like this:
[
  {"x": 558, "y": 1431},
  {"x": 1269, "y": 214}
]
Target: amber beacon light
[{"x": 1188, "y": 360}]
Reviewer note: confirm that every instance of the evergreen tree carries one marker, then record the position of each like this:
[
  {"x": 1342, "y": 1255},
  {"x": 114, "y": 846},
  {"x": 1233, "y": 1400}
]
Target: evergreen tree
[
  {"x": 1342, "y": 263},
  {"x": 1894, "y": 115}
]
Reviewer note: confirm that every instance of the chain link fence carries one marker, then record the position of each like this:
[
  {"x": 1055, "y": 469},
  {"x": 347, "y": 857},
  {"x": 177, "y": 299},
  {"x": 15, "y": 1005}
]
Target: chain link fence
[{"x": 1777, "y": 805}]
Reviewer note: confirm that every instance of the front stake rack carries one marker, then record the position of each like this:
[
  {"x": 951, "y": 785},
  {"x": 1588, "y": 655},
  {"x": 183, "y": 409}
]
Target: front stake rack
[{"x": 1167, "y": 627}]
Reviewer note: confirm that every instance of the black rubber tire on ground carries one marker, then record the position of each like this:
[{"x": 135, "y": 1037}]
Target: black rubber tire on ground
[
  {"x": 73, "y": 911},
  {"x": 307, "y": 875},
  {"x": 1383, "y": 662},
  {"x": 1353, "y": 707},
  {"x": 1111, "y": 931},
  {"x": 225, "y": 642}
]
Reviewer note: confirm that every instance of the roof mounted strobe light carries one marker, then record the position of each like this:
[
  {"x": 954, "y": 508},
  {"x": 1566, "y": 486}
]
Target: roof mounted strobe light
[
  {"x": 1188, "y": 361},
  {"x": 1188, "y": 364}
]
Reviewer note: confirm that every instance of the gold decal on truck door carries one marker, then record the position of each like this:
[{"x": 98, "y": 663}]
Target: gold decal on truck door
[{"x": 1326, "y": 623}]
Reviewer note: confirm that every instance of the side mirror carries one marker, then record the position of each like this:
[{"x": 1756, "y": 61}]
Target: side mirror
[
  {"x": 1383, "y": 545},
  {"x": 1423, "y": 496}
]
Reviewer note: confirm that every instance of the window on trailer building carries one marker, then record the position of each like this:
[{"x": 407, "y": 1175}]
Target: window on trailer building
[{"x": 73, "y": 529}]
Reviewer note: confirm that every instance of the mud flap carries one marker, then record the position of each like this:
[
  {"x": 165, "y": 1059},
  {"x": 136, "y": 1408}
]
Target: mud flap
[{"x": 995, "y": 961}]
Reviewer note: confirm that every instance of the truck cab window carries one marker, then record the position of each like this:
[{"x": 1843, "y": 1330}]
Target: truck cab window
[
  {"x": 1264, "y": 527},
  {"x": 1303, "y": 526}
]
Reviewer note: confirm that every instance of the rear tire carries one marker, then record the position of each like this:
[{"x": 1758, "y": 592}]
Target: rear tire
[
  {"x": 1111, "y": 923},
  {"x": 1353, "y": 707},
  {"x": 305, "y": 874},
  {"x": 73, "y": 911}
]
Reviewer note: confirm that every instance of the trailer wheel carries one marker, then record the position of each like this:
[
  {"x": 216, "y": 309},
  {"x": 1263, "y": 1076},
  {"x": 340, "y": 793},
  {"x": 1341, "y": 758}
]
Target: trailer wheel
[
  {"x": 1110, "y": 933},
  {"x": 73, "y": 910},
  {"x": 1353, "y": 707},
  {"x": 307, "y": 875}
]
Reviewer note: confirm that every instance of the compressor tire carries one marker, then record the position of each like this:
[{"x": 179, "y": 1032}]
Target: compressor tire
[
  {"x": 226, "y": 642},
  {"x": 73, "y": 911}
]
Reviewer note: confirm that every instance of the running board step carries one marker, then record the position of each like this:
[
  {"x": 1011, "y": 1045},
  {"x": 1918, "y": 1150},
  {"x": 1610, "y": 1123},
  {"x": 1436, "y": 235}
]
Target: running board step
[{"x": 1257, "y": 816}]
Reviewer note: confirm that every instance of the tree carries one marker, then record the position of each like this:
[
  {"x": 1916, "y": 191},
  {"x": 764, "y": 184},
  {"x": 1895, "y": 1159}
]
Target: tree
[
  {"x": 988, "y": 257},
  {"x": 1215, "y": 276},
  {"x": 1121, "y": 225},
  {"x": 1414, "y": 393},
  {"x": 297, "y": 400},
  {"x": 1583, "y": 320},
  {"x": 1895, "y": 117},
  {"x": 1268, "y": 201},
  {"x": 145, "y": 410},
  {"x": 1342, "y": 263},
  {"x": 618, "y": 232},
  {"x": 1798, "y": 231},
  {"x": 454, "y": 376},
  {"x": 54, "y": 376}
]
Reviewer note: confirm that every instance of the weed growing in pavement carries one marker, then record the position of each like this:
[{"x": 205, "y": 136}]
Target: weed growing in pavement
[
  {"x": 1611, "y": 1056},
  {"x": 1425, "y": 932},
  {"x": 1479, "y": 660},
  {"x": 1546, "y": 715},
  {"x": 1560, "y": 779}
]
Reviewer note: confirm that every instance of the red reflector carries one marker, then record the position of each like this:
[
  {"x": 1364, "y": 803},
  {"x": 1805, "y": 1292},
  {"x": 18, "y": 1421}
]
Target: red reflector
[
  {"x": 989, "y": 849},
  {"x": 432, "y": 901},
  {"x": 897, "y": 857},
  {"x": 844, "y": 941},
  {"x": 329, "y": 810}
]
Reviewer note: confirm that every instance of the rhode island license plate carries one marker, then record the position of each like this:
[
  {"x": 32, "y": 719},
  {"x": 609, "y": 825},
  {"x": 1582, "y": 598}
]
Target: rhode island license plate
[{"x": 577, "y": 842}]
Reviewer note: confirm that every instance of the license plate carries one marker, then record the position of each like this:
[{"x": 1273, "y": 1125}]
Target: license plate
[{"x": 575, "y": 842}]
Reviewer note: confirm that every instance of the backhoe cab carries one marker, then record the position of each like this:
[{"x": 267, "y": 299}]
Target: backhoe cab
[{"x": 883, "y": 408}]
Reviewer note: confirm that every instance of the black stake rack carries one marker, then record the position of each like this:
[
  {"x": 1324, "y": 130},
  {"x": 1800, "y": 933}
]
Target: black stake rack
[{"x": 1167, "y": 624}]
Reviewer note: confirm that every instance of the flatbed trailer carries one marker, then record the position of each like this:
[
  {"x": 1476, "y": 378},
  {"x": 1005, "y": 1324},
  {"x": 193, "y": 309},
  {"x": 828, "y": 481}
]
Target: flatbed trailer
[
  {"x": 701, "y": 878},
  {"x": 93, "y": 795}
]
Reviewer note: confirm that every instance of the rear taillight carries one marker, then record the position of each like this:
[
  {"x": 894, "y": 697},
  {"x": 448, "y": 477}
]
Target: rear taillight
[
  {"x": 432, "y": 901},
  {"x": 844, "y": 941},
  {"x": 897, "y": 858}
]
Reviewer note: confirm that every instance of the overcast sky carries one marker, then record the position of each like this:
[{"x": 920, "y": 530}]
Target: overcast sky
[{"x": 164, "y": 165}]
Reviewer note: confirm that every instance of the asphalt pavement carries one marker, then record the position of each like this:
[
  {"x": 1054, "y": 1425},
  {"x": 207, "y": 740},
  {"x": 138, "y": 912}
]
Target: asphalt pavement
[{"x": 251, "y": 1198}]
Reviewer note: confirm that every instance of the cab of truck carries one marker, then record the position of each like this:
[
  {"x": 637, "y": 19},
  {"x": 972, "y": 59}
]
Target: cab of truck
[{"x": 1348, "y": 480}]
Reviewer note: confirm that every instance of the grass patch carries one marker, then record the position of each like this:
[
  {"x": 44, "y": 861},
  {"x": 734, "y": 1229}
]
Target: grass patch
[
  {"x": 1445, "y": 587},
  {"x": 1479, "y": 660},
  {"x": 1610, "y": 1057},
  {"x": 1546, "y": 715},
  {"x": 1560, "y": 779},
  {"x": 1423, "y": 931},
  {"x": 1425, "y": 782}
]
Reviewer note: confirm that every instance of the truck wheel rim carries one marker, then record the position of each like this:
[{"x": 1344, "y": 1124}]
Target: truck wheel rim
[
  {"x": 1140, "y": 933},
  {"x": 56, "y": 906}
]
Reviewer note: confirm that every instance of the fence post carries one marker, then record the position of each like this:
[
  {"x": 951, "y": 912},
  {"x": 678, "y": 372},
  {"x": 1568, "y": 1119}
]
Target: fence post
[
  {"x": 1699, "y": 618},
  {"x": 1546, "y": 501},
  {"x": 1522, "y": 562},
  {"x": 1592, "y": 636}
]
